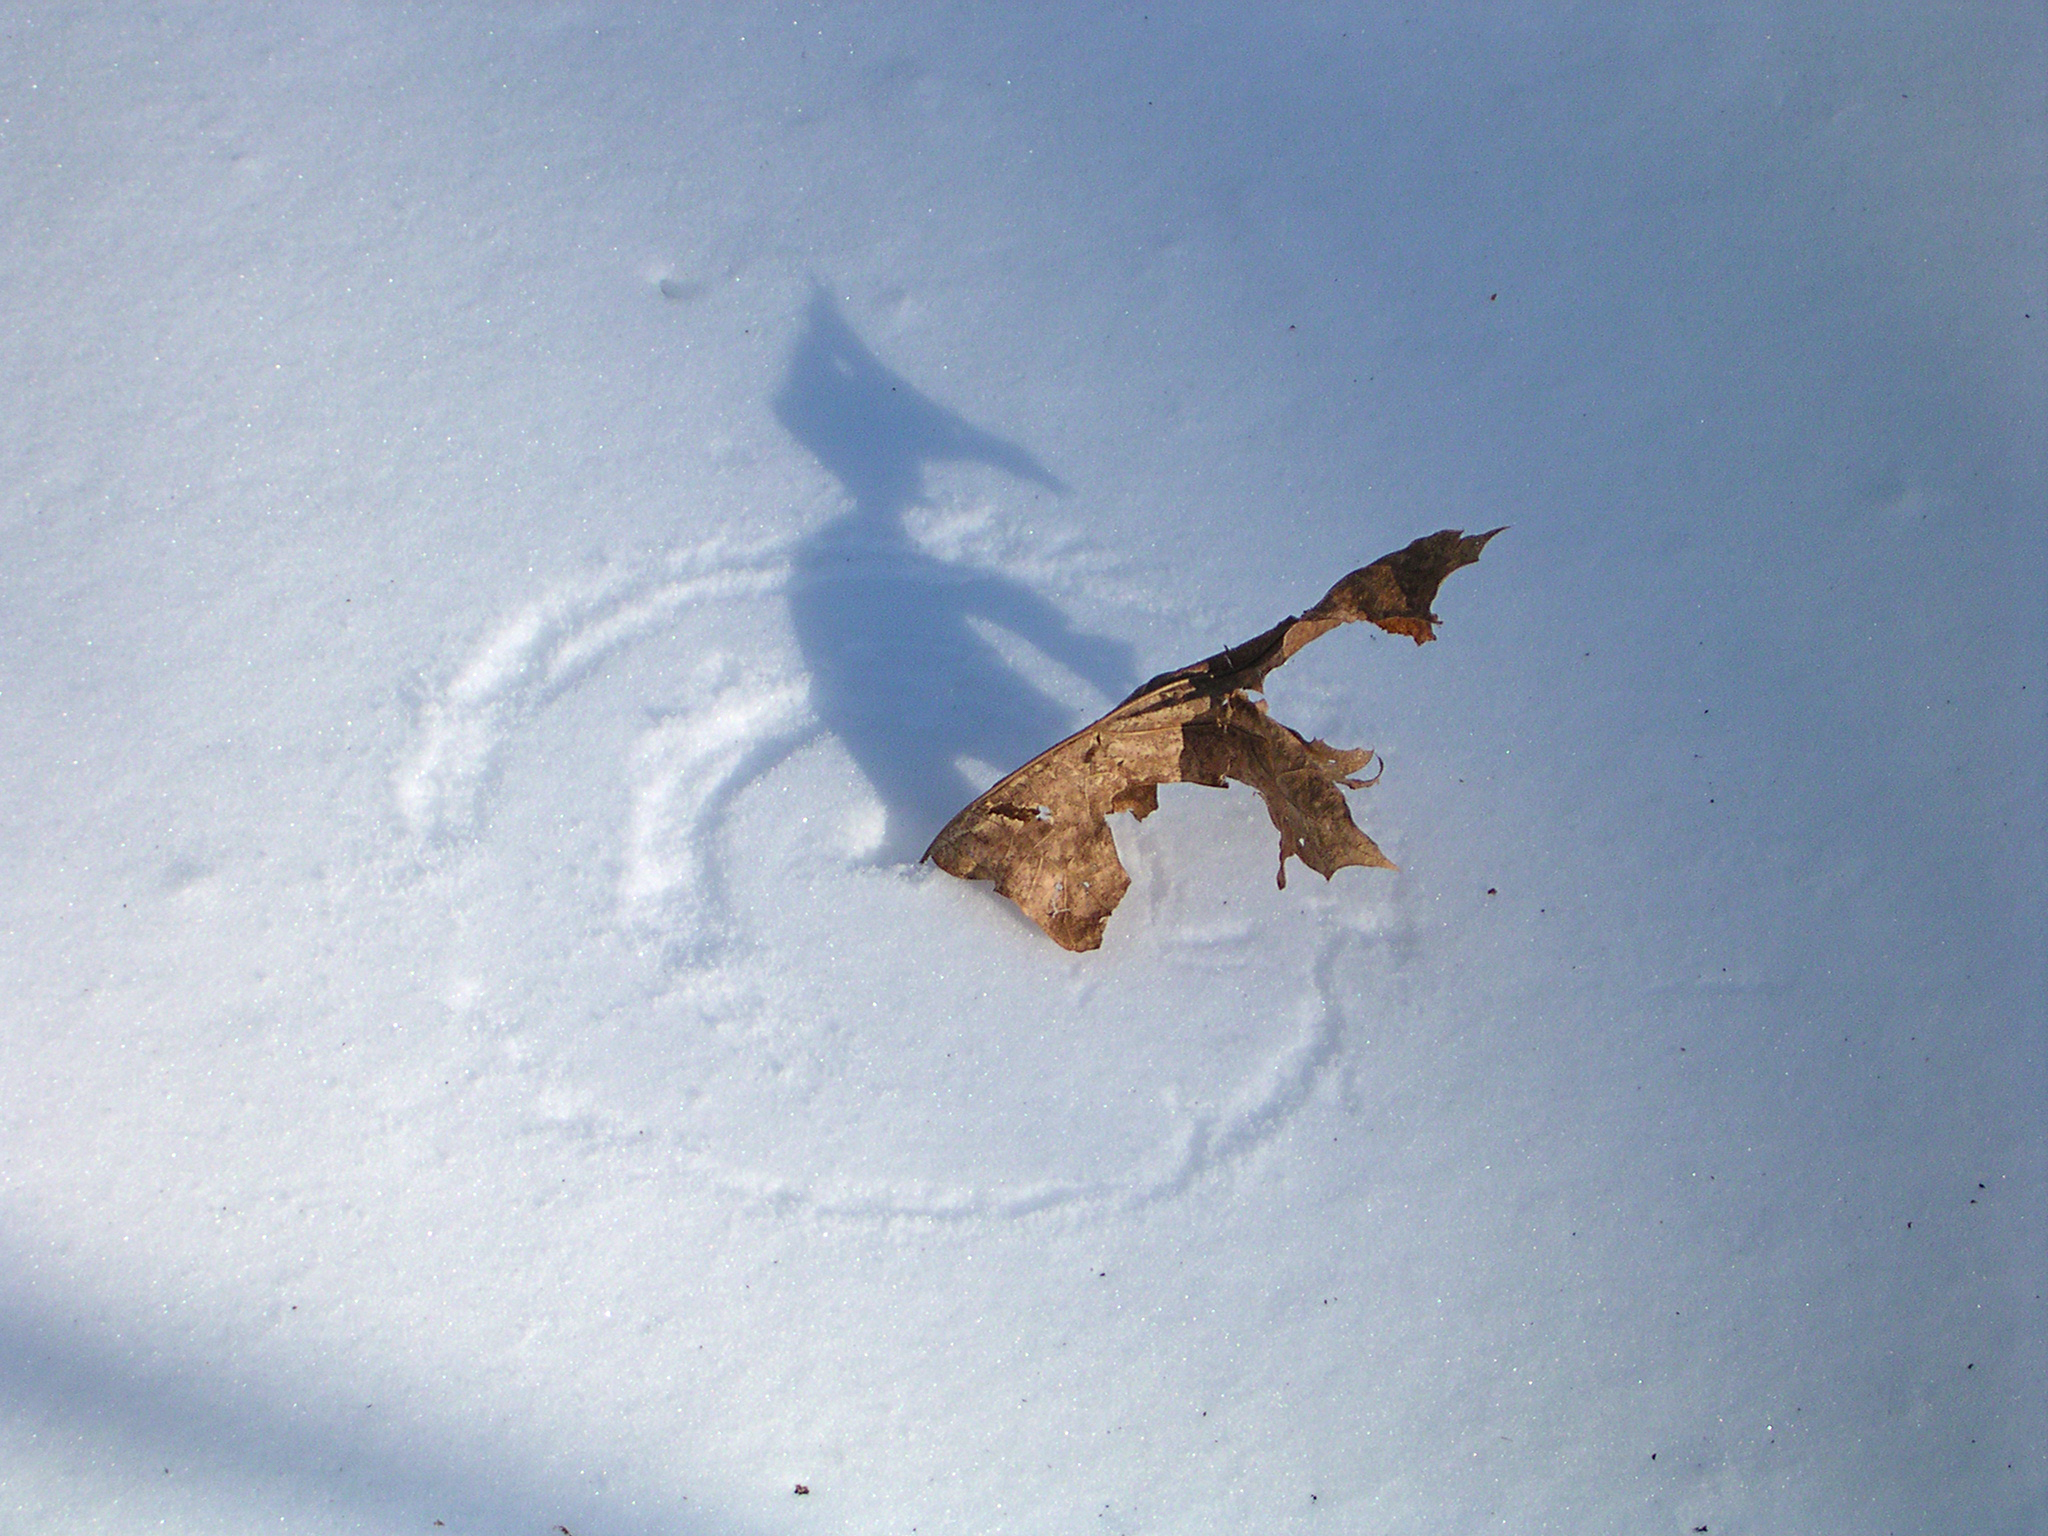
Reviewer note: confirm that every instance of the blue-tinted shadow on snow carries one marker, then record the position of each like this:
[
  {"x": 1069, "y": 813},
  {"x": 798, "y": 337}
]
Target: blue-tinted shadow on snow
[
  {"x": 297, "y": 1453},
  {"x": 898, "y": 671}
]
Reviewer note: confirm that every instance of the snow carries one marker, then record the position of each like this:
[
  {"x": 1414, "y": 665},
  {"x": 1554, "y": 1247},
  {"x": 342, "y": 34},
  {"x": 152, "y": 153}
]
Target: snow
[{"x": 519, "y": 524}]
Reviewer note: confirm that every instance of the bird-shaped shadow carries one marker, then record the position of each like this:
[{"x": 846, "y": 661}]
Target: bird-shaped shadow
[{"x": 898, "y": 671}]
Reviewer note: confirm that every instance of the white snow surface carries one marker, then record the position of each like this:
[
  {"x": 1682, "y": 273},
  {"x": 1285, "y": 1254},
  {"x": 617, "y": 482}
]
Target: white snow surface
[{"x": 519, "y": 523}]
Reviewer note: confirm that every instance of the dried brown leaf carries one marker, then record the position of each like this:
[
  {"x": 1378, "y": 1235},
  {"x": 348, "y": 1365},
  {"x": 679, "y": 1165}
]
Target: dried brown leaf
[{"x": 1041, "y": 836}]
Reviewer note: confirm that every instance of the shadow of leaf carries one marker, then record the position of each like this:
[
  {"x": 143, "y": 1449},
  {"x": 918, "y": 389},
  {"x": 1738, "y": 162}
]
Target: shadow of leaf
[{"x": 898, "y": 670}]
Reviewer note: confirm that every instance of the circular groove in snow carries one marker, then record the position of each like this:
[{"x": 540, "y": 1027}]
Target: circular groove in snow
[{"x": 674, "y": 929}]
